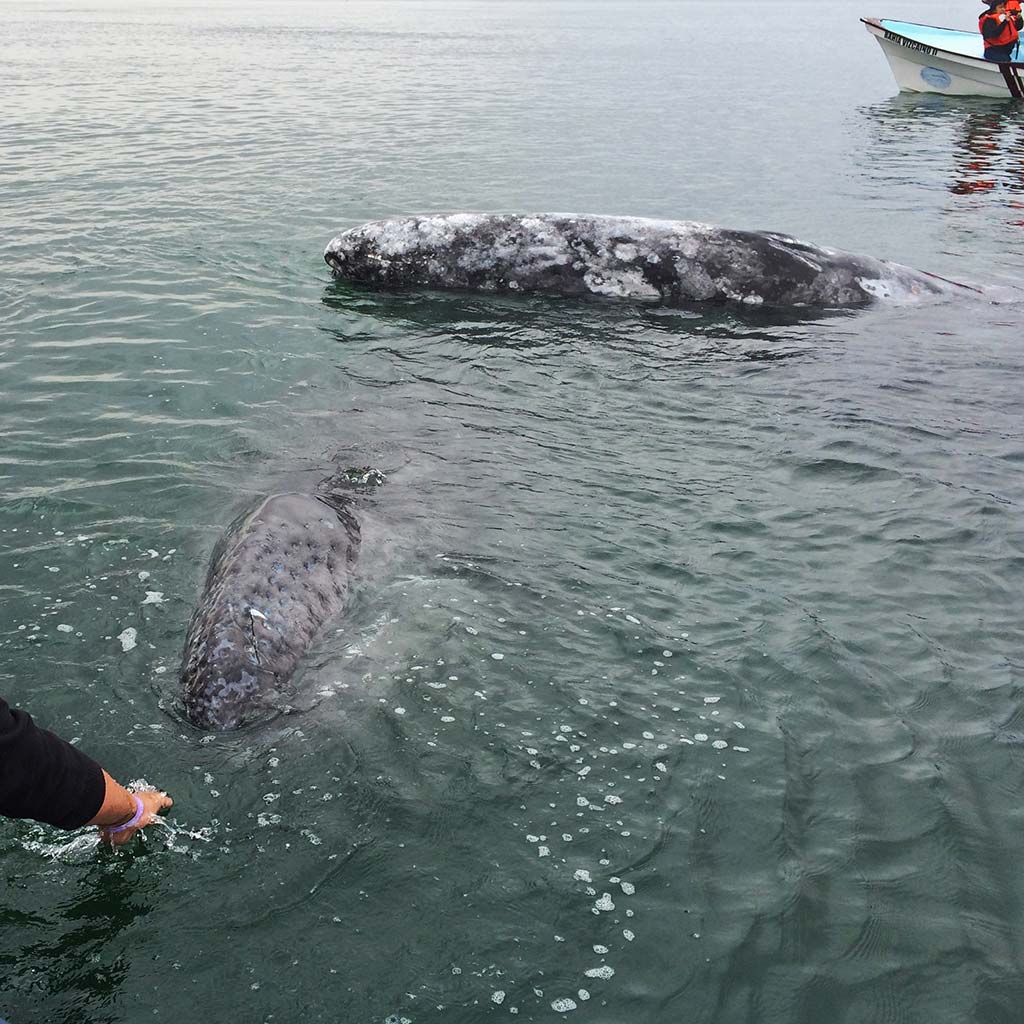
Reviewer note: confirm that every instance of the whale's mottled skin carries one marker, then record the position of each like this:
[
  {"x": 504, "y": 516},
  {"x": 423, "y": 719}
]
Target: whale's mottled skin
[
  {"x": 279, "y": 574},
  {"x": 676, "y": 263}
]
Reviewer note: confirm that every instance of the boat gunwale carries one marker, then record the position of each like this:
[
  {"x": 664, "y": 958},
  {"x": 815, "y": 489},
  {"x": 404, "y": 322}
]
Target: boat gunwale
[{"x": 994, "y": 64}]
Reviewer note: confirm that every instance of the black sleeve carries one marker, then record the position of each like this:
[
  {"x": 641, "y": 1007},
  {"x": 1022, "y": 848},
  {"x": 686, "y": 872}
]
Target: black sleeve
[
  {"x": 991, "y": 27},
  {"x": 44, "y": 777}
]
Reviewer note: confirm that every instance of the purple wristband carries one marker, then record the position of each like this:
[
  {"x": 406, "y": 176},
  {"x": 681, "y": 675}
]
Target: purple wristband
[{"x": 140, "y": 810}]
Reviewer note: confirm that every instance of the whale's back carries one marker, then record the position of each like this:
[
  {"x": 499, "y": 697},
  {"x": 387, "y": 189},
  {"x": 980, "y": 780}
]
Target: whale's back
[
  {"x": 280, "y": 572},
  {"x": 673, "y": 262}
]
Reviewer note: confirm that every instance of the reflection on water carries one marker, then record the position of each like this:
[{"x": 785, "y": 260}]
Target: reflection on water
[
  {"x": 702, "y": 331},
  {"x": 990, "y": 154},
  {"x": 978, "y": 144}
]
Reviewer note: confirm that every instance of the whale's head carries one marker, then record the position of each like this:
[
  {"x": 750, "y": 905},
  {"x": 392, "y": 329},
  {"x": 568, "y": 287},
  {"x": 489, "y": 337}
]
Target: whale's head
[
  {"x": 398, "y": 251},
  {"x": 349, "y": 254},
  {"x": 336, "y": 257}
]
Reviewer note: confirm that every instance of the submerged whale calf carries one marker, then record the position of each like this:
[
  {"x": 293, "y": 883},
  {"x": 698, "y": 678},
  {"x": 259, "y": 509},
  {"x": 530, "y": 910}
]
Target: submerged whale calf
[
  {"x": 280, "y": 572},
  {"x": 674, "y": 262}
]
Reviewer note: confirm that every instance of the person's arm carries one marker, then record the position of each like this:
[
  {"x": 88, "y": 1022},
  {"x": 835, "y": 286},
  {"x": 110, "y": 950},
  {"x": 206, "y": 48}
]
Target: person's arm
[
  {"x": 991, "y": 27},
  {"x": 45, "y": 778}
]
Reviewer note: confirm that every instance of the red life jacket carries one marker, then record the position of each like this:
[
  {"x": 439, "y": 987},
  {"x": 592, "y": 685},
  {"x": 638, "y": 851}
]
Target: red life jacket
[{"x": 1008, "y": 34}]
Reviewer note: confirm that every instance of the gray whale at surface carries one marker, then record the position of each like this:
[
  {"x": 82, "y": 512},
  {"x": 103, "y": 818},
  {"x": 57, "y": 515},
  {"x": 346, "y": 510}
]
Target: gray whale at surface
[
  {"x": 280, "y": 572},
  {"x": 676, "y": 263}
]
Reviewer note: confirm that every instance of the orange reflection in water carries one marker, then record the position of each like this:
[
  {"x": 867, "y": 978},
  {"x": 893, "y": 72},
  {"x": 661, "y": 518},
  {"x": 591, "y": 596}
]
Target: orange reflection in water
[{"x": 990, "y": 152}]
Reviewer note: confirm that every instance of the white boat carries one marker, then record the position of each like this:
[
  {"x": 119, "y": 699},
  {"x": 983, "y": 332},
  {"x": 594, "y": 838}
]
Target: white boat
[{"x": 924, "y": 58}]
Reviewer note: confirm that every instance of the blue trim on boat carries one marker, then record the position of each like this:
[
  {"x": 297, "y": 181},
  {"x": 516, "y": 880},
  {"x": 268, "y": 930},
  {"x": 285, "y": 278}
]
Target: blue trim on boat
[{"x": 952, "y": 40}]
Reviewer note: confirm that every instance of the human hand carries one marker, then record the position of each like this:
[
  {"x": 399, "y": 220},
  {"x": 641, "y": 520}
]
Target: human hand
[{"x": 153, "y": 801}]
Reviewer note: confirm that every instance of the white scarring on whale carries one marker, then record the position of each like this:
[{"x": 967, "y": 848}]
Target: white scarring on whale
[
  {"x": 280, "y": 572},
  {"x": 676, "y": 263}
]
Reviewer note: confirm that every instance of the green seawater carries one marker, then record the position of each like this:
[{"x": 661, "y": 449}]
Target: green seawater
[{"x": 681, "y": 681}]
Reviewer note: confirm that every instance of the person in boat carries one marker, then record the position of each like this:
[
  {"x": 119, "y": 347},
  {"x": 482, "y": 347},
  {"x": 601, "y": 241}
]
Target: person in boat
[
  {"x": 1013, "y": 9},
  {"x": 45, "y": 778},
  {"x": 1000, "y": 29}
]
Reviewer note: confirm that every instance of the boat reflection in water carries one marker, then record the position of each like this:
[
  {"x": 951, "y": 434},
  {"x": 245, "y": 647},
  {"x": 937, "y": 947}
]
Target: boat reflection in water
[
  {"x": 989, "y": 153},
  {"x": 976, "y": 146}
]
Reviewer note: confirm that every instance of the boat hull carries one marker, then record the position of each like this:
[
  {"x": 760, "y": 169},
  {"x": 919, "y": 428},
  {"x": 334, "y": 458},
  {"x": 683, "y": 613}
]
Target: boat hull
[{"x": 921, "y": 68}]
